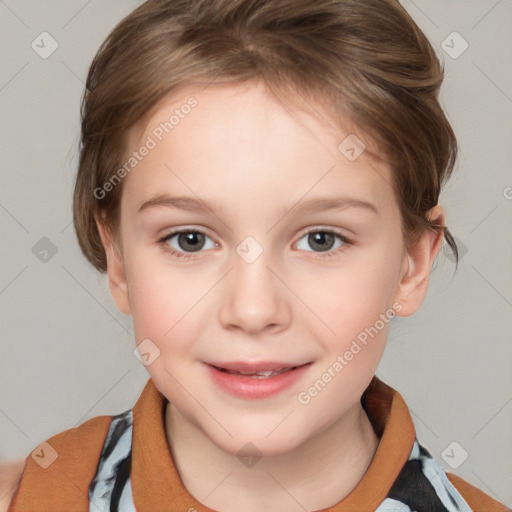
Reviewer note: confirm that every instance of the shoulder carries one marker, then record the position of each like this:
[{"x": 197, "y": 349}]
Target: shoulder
[
  {"x": 67, "y": 461},
  {"x": 10, "y": 476},
  {"x": 423, "y": 484},
  {"x": 478, "y": 500}
]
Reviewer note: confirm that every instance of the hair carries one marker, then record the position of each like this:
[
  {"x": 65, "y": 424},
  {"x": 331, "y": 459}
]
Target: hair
[{"x": 365, "y": 60}]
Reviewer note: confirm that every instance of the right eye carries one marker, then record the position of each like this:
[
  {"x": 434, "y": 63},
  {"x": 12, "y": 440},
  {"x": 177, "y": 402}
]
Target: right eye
[{"x": 192, "y": 239}]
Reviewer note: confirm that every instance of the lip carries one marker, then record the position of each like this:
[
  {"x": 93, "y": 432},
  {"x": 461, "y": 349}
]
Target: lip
[
  {"x": 253, "y": 367},
  {"x": 251, "y": 387}
]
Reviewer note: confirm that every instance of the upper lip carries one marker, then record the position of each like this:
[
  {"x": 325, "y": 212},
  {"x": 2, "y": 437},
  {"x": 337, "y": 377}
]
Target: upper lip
[{"x": 253, "y": 367}]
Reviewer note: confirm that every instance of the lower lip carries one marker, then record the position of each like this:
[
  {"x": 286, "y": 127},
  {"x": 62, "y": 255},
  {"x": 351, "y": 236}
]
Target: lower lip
[{"x": 247, "y": 387}]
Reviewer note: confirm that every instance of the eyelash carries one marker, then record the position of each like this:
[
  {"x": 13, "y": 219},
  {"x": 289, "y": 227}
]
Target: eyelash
[{"x": 173, "y": 252}]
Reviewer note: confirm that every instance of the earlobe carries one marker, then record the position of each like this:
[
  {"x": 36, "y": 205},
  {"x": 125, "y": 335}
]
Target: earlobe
[
  {"x": 115, "y": 268},
  {"x": 417, "y": 265}
]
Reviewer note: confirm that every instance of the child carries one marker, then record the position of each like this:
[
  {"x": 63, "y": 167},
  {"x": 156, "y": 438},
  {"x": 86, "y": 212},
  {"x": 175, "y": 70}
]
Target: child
[{"x": 268, "y": 131}]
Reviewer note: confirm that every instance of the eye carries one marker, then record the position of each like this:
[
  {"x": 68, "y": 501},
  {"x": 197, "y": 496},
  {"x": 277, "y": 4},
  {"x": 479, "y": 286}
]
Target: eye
[
  {"x": 186, "y": 240},
  {"x": 323, "y": 239},
  {"x": 189, "y": 241}
]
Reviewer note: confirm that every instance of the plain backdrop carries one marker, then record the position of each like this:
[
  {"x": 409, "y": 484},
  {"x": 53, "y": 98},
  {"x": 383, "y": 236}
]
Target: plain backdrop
[{"x": 67, "y": 353}]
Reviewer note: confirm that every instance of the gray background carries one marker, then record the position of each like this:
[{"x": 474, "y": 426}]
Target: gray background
[{"x": 67, "y": 353}]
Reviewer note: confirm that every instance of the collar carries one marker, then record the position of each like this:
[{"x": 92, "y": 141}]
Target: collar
[{"x": 155, "y": 478}]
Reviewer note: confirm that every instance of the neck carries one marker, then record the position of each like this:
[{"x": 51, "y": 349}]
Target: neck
[{"x": 334, "y": 460}]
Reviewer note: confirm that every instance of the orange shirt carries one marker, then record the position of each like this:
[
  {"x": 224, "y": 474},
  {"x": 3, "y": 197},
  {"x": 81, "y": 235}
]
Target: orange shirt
[{"x": 71, "y": 459}]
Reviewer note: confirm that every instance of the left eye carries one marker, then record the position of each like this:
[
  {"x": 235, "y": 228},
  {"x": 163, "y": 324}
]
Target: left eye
[{"x": 323, "y": 239}]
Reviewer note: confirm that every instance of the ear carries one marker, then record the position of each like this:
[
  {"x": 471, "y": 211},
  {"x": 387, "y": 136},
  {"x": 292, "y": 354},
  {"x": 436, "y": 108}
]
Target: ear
[
  {"x": 417, "y": 266},
  {"x": 115, "y": 267}
]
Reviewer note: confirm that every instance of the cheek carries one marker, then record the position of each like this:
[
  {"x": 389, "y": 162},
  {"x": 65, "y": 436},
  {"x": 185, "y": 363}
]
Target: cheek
[
  {"x": 356, "y": 313},
  {"x": 166, "y": 304},
  {"x": 352, "y": 299}
]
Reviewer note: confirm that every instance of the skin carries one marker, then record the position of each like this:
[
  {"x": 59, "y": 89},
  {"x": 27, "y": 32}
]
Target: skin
[
  {"x": 10, "y": 477},
  {"x": 251, "y": 160}
]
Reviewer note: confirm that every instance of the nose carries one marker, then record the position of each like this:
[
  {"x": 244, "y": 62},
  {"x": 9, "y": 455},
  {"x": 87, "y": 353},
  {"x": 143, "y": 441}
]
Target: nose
[{"x": 254, "y": 297}]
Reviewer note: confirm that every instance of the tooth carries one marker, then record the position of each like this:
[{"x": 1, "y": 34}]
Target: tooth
[
  {"x": 266, "y": 373},
  {"x": 263, "y": 374}
]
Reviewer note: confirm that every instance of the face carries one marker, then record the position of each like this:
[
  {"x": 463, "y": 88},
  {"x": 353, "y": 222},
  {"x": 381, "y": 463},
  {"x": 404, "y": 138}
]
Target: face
[{"x": 247, "y": 275}]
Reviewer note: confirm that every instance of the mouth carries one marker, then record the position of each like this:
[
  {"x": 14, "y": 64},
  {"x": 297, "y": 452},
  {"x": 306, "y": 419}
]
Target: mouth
[
  {"x": 256, "y": 370},
  {"x": 261, "y": 374},
  {"x": 256, "y": 380}
]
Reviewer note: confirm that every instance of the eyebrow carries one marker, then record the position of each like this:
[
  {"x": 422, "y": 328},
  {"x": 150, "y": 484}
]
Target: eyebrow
[{"x": 310, "y": 206}]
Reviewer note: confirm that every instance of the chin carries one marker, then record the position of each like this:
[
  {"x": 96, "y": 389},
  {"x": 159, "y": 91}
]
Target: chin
[{"x": 257, "y": 442}]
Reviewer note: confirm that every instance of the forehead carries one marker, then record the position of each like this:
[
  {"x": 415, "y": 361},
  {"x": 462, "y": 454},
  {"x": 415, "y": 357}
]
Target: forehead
[
  {"x": 239, "y": 139},
  {"x": 242, "y": 111}
]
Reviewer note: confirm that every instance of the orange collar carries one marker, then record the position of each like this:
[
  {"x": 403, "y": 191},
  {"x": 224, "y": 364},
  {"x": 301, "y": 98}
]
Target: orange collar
[{"x": 155, "y": 479}]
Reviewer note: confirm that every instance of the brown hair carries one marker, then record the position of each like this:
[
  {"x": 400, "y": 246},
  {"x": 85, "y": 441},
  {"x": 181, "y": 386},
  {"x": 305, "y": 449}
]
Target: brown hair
[{"x": 364, "y": 59}]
